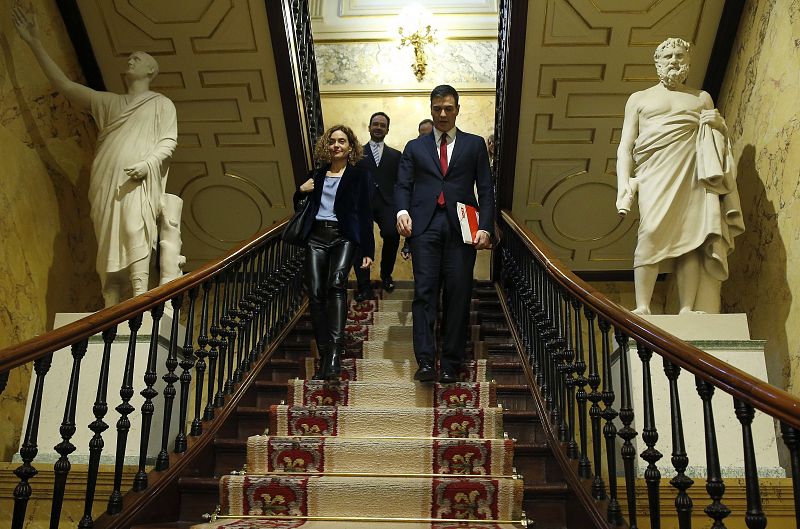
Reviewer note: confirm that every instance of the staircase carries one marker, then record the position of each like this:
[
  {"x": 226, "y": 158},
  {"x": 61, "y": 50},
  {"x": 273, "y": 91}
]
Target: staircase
[{"x": 378, "y": 445}]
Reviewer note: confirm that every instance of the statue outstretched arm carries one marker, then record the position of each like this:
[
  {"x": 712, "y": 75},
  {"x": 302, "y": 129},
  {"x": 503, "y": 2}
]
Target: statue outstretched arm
[
  {"x": 630, "y": 129},
  {"x": 28, "y": 29}
]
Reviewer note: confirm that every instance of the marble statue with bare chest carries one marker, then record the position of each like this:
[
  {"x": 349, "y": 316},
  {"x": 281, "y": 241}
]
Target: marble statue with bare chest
[
  {"x": 675, "y": 157},
  {"x": 137, "y": 134}
]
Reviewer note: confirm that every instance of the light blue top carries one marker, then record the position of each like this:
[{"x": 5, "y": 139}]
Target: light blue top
[{"x": 329, "y": 188}]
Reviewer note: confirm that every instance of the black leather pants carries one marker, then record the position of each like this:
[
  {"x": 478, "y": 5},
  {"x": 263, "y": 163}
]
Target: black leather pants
[{"x": 328, "y": 261}]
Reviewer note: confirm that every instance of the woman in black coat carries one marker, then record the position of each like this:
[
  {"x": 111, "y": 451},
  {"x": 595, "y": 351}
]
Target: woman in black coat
[{"x": 340, "y": 221}]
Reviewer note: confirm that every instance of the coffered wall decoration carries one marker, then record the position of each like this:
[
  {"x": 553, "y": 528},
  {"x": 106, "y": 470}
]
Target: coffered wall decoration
[
  {"x": 583, "y": 58},
  {"x": 232, "y": 165}
]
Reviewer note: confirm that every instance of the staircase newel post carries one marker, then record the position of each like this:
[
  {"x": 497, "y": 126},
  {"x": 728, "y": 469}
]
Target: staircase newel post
[
  {"x": 595, "y": 412},
  {"x": 680, "y": 460},
  {"x": 162, "y": 460},
  {"x": 186, "y": 364},
  {"x": 67, "y": 430},
  {"x": 754, "y": 517},
  {"x": 627, "y": 432},
  {"x": 98, "y": 426},
  {"x": 652, "y": 475},
  {"x": 609, "y": 429},
  {"x": 200, "y": 365},
  {"x": 124, "y": 409}
]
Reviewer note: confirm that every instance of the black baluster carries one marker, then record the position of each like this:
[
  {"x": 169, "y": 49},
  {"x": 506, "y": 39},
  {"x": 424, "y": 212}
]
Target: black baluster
[
  {"x": 3, "y": 381},
  {"x": 124, "y": 409},
  {"x": 230, "y": 327},
  {"x": 584, "y": 465},
  {"x": 213, "y": 353},
  {"x": 609, "y": 429},
  {"x": 251, "y": 307},
  {"x": 240, "y": 315},
  {"x": 791, "y": 438},
  {"x": 681, "y": 482},
  {"x": 242, "y": 325},
  {"x": 186, "y": 363},
  {"x": 149, "y": 393},
  {"x": 754, "y": 517},
  {"x": 200, "y": 366},
  {"x": 25, "y": 472},
  {"x": 595, "y": 413},
  {"x": 67, "y": 430},
  {"x": 569, "y": 370},
  {"x": 98, "y": 426},
  {"x": 715, "y": 487},
  {"x": 652, "y": 475},
  {"x": 627, "y": 432},
  {"x": 223, "y": 343},
  {"x": 162, "y": 460},
  {"x": 258, "y": 306}
]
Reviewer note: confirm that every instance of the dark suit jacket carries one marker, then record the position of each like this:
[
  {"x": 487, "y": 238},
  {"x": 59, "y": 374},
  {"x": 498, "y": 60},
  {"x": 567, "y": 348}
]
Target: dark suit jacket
[
  {"x": 384, "y": 176},
  {"x": 351, "y": 206},
  {"x": 420, "y": 180}
]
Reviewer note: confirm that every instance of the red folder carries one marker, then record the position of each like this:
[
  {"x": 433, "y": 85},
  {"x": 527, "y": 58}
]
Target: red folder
[{"x": 468, "y": 218}]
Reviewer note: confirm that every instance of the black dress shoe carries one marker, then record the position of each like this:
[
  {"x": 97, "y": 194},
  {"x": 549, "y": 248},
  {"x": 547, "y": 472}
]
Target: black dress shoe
[
  {"x": 425, "y": 373},
  {"x": 447, "y": 377},
  {"x": 388, "y": 283}
]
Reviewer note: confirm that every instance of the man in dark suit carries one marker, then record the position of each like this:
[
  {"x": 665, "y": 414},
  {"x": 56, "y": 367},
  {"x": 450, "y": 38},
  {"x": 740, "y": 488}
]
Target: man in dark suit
[
  {"x": 381, "y": 162},
  {"x": 436, "y": 171}
]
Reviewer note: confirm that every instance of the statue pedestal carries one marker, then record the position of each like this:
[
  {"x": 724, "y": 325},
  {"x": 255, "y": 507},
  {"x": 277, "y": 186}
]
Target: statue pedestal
[
  {"x": 727, "y": 337},
  {"x": 56, "y": 388}
]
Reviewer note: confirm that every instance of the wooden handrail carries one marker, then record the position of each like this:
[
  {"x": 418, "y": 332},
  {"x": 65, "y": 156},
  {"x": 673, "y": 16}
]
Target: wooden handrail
[
  {"x": 101, "y": 320},
  {"x": 741, "y": 385}
]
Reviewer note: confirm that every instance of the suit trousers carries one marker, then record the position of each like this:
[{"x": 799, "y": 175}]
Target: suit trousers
[
  {"x": 441, "y": 261},
  {"x": 328, "y": 258},
  {"x": 385, "y": 217}
]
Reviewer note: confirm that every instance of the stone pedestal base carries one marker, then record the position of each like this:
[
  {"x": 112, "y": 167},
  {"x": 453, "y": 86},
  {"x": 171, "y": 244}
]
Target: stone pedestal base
[
  {"x": 57, "y": 386},
  {"x": 727, "y": 337}
]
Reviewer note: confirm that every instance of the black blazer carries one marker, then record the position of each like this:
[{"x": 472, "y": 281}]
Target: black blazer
[
  {"x": 384, "y": 176},
  {"x": 351, "y": 206},
  {"x": 420, "y": 180}
]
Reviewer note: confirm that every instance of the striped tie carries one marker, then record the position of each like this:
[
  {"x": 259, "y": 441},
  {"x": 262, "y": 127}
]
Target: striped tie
[{"x": 376, "y": 153}]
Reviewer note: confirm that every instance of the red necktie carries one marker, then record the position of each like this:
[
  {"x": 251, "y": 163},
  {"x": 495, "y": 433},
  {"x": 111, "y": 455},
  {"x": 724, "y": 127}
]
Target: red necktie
[{"x": 443, "y": 165}]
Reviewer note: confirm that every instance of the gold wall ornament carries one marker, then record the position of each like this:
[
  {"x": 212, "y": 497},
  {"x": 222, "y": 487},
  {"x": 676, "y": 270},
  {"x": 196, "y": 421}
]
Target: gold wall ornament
[
  {"x": 418, "y": 39},
  {"x": 415, "y": 27}
]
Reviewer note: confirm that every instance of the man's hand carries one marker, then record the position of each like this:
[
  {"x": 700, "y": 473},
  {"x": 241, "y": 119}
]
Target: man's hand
[
  {"x": 24, "y": 19},
  {"x": 404, "y": 225},
  {"x": 482, "y": 240},
  {"x": 366, "y": 262},
  {"x": 137, "y": 171},
  {"x": 713, "y": 118}
]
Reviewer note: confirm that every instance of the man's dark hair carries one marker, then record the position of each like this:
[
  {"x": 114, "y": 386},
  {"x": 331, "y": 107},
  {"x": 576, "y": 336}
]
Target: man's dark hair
[
  {"x": 421, "y": 123},
  {"x": 444, "y": 90},
  {"x": 380, "y": 114}
]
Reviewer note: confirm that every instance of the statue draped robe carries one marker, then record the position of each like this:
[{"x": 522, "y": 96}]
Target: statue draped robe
[
  {"x": 124, "y": 211},
  {"x": 688, "y": 199}
]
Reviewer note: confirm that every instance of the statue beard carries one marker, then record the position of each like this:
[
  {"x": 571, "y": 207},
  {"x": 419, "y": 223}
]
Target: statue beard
[{"x": 672, "y": 78}]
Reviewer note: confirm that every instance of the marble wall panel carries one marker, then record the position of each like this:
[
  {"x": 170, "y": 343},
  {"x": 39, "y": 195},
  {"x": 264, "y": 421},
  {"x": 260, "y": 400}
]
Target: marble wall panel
[
  {"x": 455, "y": 62},
  {"x": 760, "y": 100},
  {"x": 48, "y": 249}
]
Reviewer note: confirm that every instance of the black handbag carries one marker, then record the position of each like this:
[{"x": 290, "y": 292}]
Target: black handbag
[{"x": 293, "y": 232}]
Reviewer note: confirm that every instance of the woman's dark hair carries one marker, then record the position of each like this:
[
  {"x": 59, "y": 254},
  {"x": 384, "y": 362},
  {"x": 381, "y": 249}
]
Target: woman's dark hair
[
  {"x": 323, "y": 155},
  {"x": 444, "y": 90}
]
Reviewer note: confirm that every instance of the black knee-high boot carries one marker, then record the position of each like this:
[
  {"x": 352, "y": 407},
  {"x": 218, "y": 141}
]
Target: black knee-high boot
[{"x": 337, "y": 318}]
